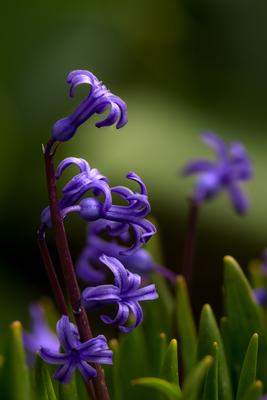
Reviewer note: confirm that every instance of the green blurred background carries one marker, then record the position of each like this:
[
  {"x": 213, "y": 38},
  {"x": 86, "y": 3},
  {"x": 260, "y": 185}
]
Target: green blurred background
[{"x": 183, "y": 67}]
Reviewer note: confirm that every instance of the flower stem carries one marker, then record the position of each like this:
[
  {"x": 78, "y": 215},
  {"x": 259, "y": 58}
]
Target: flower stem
[
  {"x": 71, "y": 283},
  {"x": 190, "y": 241},
  {"x": 55, "y": 285}
]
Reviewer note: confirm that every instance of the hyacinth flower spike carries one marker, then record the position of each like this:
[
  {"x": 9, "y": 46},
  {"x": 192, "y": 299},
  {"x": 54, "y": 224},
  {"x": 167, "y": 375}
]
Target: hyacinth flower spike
[
  {"x": 140, "y": 261},
  {"x": 232, "y": 166},
  {"x": 76, "y": 355},
  {"x": 98, "y": 101},
  {"x": 87, "y": 179},
  {"x": 40, "y": 335},
  {"x": 126, "y": 293}
]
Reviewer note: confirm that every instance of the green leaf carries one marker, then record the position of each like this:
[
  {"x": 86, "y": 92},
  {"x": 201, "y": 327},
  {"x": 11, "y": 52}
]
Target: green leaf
[
  {"x": 211, "y": 388},
  {"x": 81, "y": 388},
  {"x": 249, "y": 368},
  {"x": 170, "y": 390},
  {"x": 194, "y": 382},
  {"x": 254, "y": 392},
  {"x": 244, "y": 318},
  {"x": 43, "y": 387},
  {"x": 169, "y": 369},
  {"x": 116, "y": 384},
  {"x": 208, "y": 334},
  {"x": 15, "y": 381},
  {"x": 69, "y": 391},
  {"x": 134, "y": 362},
  {"x": 185, "y": 326}
]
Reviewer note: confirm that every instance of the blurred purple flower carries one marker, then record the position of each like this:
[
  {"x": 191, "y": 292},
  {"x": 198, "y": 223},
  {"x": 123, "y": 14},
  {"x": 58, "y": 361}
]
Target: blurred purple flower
[
  {"x": 231, "y": 167},
  {"x": 40, "y": 335},
  {"x": 98, "y": 100},
  {"x": 260, "y": 295},
  {"x": 76, "y": 354},
  {"x": 87, "y": 179},
  {"x": 89, "y": 269},
  {"x": 126, "y": 293}
]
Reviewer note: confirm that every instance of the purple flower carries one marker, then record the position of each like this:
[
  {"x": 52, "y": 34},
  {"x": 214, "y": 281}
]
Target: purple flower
[
  {"x": 116, "y": 219},
  {"x": 260, "y": 295},
  {"x": 232, "y": 166},
  {"x": 87, "y": 179},
  {"x": 40, "y": 335},
  {"x": 126, "y": 293},
  {"x": 76, "y": 354},
  {"x": 97, "y": 101},
  {"x": 89, "y": 269}
]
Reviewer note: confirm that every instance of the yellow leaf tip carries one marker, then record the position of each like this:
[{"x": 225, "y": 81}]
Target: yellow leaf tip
[{"x": 16, "y": 325}]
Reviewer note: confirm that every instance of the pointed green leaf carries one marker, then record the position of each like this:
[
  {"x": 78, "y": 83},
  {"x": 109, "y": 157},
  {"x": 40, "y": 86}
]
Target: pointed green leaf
[
  {"x": 185, "y": 326},
  {"x": 244, "y": 315},
  {"x": 115, "y": 379},
  {"x": 43, "y": 387},
  {"x": 162, "y": 349},
  {"x": 208, "y": 334},
  {"x": 15, "y": 381},
  {"x": 249, "y": 368},
  {"x": 81, "y": 388},
  {"x": 169, "y": 369},
  {"x": 69, "y": 391},
  {"x": 254, "y": 392},
  {"x": 211, "y": 388},
  {"x": 133, "y": 363},
  {"x": 170, "y": 390},
  {"x": 194, "y": 382}
]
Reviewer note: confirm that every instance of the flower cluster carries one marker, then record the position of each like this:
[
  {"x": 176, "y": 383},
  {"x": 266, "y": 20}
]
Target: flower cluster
[
  {"x": 231, "y": 167},
  {"x": 98, "y": 100},
  {"x": 89, "y": 194},
  {"x": 91, "y": 271},
  {"x": 76, "y": 354},
  {"x": 126, "y": 293},
  {"x": 116, "y": 219}
]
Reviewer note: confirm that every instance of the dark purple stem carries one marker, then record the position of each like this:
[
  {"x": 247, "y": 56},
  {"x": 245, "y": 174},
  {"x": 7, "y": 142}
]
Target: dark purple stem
[
  {"x": 71, "y": 283},
  {"x": 48, "y": 263},
  {"x": 189, "y": 245}
]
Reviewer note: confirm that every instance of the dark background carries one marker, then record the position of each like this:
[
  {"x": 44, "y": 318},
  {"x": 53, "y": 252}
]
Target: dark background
[{"x": 183, "y": 67}]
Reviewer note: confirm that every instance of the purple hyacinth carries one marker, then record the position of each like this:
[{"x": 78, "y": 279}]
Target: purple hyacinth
[
  {"x": 126, "y": 293},
  {"x": 87, "y": 179},
  {"x": 76, "y": 354},
  {"x": 40, "y": 335},
  {"x": 231, "y": 167},
  {"x": 89, "y": 269},
  {"x": 260, "y": 295},
  {"x": 116, "y": 219},
  {"x": 98, "y": 100}
]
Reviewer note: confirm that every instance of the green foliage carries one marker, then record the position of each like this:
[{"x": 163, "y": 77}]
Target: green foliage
[
  {"x": 185, "y": 325},
  {"x": 218, "y": 363}
]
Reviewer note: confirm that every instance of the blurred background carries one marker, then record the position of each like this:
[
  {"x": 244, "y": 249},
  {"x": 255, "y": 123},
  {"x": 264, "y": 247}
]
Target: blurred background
[{"x": 183, "y": 67}]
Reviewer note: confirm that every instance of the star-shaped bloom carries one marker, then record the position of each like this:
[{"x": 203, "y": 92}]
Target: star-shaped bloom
[
  {"x": 126, "y": 293},
  {"x": 90, "y": 270},
  {"x": 231, "y": 167},
  {"x": 98, "y": 100},
  {"x": 88, "y": 179},
  {"x": 76, "y": 354},
  {"x": 40, "y": 335}
]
